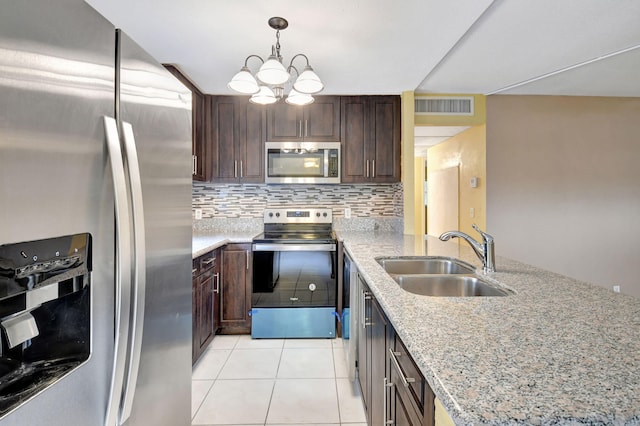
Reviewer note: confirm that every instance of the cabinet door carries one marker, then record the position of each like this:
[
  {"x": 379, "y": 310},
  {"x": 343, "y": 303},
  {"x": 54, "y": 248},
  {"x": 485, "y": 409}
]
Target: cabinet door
[
  {"x": 401, "y": 412},
  {"x": 377, "y": 334},
  {"x": 235, "y": 289},
  {"x": 200, "y": 143},
  {"x": 317, "y": 122},
  {"x": 195, "y": 306},
  {"x": 321, "y": 121},
  {"x": 284, "y": 122},
  {"x": 224, "y": 144},
  {"x": 363, "y": 352},
  {"x": 385, "y": 138},
  {"x": 216, "y": 290},
  {"x": 370, "y": 139},
  {"x": 250, "y": 125},
  {"x": 205, "y": 314},
  {"x": 354, "y": 139}
]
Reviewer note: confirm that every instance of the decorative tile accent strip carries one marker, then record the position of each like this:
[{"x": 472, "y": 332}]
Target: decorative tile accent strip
[{"x": 250, "y": 200}]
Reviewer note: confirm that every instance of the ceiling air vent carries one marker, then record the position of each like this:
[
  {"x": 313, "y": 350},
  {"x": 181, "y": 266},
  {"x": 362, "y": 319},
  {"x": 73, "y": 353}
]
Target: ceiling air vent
[{"x": 444, "y": 105}]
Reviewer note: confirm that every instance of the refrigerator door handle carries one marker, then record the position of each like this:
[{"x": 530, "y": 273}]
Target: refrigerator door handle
[
  {"x": 122, "y": 270},
  {"x": 139, "y": 281}
]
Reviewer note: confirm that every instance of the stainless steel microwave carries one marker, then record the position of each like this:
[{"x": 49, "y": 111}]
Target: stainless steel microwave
[{"x": 302, "y": 162}]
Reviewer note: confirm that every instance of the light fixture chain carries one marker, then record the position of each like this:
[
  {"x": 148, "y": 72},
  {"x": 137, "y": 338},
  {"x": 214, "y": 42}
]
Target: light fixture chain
[{"x": 278, "y": 45}]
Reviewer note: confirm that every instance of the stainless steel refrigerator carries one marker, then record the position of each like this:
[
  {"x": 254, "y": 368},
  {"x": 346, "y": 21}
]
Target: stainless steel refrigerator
[{"x": 95, "y": 212}]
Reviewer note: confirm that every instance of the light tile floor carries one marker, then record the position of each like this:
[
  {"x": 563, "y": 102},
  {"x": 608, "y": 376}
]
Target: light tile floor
[{"x": 240, "y": 381}]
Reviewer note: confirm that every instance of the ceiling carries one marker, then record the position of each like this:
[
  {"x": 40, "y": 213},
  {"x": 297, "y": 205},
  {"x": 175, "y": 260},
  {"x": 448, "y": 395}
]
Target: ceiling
[{"x": 541, "y": 47}]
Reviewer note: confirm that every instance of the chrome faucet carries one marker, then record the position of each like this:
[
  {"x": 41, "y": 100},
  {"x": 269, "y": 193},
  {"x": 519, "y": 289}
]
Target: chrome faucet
[{"x": 484, "y": 251}]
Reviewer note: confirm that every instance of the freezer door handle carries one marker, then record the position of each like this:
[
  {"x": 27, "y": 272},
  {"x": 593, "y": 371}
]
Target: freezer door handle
[
  {"x": 139, "y": 281},
  {"x": 122, "y": 267}
]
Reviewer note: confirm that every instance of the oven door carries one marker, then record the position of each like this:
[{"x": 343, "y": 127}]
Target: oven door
[{"x": 294, "y": 291}]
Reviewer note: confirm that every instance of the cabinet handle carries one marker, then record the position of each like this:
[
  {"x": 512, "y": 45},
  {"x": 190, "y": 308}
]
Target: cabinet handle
[
  {"x": 195, "y": 165},
  {"x": 394, "y": 361},
  {"x": 373, "y": 168},
  {"x": 216, "y": 282},
  {"x": 241, "y": 169},
  {"x": 194, "y": 270},
  {"x": 306, "y": 128},
  {"x": 209, "y": 261},
  {"x": 386, "y": 386},
  {"x": 367, "y": 172},
  {"x": 247, "y": 260},
  {"x": 235, "y": 169},
  {"x": 365, "y": 296},
  {"x": 300, "y": 128}
]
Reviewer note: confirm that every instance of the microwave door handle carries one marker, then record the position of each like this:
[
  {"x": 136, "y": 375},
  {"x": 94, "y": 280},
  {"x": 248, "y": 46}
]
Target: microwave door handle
[
  {"x": 122, "y": 268},
  {"x": 326, "y": 163}
]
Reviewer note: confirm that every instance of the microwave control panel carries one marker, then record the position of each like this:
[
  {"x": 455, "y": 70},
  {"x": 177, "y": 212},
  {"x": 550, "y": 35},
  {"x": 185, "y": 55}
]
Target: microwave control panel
[{"x": 334, "y": 163}]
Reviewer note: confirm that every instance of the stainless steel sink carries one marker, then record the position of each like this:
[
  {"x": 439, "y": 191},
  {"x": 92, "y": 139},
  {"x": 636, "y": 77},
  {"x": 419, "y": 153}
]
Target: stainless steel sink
[
  {"x": 408, "y": 265},
  {"x": 448, "y": 286}
]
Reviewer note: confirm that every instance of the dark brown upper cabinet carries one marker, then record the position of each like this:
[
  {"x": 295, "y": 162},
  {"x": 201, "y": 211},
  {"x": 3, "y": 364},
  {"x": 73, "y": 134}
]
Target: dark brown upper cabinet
[
  {"x": 237, "y": 129},
  {"x": 316, "y": 122},
  {"x": 200, "y": 147},
  {"x": 370, "y": 139}
]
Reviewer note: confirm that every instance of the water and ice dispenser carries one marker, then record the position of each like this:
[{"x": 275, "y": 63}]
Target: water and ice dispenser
[{"x": 45, "y": 314}]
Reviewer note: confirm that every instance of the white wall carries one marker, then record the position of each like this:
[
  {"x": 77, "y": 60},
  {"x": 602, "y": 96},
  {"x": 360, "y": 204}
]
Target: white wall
[{"x": 563, "y": 185}]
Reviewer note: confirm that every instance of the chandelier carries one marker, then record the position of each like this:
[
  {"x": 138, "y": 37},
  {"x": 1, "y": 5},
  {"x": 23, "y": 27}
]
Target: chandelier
[{"x": 272, "y": 79}]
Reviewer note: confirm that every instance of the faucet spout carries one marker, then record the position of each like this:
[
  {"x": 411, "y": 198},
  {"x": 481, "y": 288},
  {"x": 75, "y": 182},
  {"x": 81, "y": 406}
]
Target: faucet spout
[{"x": 485, "y": 250}]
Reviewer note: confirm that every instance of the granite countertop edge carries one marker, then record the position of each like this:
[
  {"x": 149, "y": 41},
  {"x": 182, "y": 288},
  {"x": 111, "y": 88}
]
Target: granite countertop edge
[
  {"x": 206, "y": 242},
  {"x": 534, "y": 357}
]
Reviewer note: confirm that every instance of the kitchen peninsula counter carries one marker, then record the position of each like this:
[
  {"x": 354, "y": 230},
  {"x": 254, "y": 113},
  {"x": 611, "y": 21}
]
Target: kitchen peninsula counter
[{"x": 557, "y": 351}]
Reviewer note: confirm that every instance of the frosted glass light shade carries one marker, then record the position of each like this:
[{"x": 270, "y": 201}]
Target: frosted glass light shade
[
  {"x": 308, "y": 81},
  {"x": 264, "y": 97},
  {"x": 272, "y": 72},
  {"x": 244, "y": 82},
  {"x": 297, "y": 98}
]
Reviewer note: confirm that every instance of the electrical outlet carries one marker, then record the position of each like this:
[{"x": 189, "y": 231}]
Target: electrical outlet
[
  {"x": 616, "y": 289},
  {"x": 347, "y": 213},
  {"x": 198, "y": 213},
  {"x": 472, "y": 212}
]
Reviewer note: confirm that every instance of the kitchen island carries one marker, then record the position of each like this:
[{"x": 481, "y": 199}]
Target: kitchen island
[{"x": 556, "y": 351}]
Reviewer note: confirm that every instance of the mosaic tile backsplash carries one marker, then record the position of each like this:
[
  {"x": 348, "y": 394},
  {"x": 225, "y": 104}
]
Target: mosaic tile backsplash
[{"x": 250, "y": 200}]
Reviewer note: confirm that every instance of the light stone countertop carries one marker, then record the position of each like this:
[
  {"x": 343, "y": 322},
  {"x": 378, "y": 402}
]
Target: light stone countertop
[
  {"x": 558, "y": 351},
  {"x": 203, "y": 243}
]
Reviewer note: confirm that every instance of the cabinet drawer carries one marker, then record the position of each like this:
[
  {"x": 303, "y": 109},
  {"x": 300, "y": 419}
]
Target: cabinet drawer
[
  {"x": 207, "y": 261},
  {"x": 409, "y": 370},
  {"x": 195, "y": 268}
]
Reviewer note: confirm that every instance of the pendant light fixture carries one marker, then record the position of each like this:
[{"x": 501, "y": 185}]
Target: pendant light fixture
[{"x": 273, "y": 79}]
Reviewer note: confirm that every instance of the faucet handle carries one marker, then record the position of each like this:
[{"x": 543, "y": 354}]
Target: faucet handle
[{"x": 486, "y": 237}]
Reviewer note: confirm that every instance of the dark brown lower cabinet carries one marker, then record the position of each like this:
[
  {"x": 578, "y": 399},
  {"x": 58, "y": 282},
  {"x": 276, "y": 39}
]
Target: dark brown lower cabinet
[
  {"x": 205, "y": 282},
  {"x": 372, "y": 358},
  {"x": 394, "y": 390},
  {"x": 235, "y": 289},
  {"x": 411, "y": 401}
]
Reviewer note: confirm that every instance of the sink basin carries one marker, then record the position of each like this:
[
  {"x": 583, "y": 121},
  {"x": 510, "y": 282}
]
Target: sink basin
[
  {"x": 409, "y": 265},
  {"x": 447, "y": 286}
]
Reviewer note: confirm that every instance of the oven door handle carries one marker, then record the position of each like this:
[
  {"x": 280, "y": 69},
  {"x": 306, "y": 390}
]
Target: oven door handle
[{"x": 293, "y": 247}]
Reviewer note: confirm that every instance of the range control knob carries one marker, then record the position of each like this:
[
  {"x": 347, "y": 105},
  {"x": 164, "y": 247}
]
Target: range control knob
[
  {"x": 277, "y": 214},
  {"x": 318, "y": 214},
  {"x": 270, "y": 214},
  {"x": 324, "y": 214}
]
